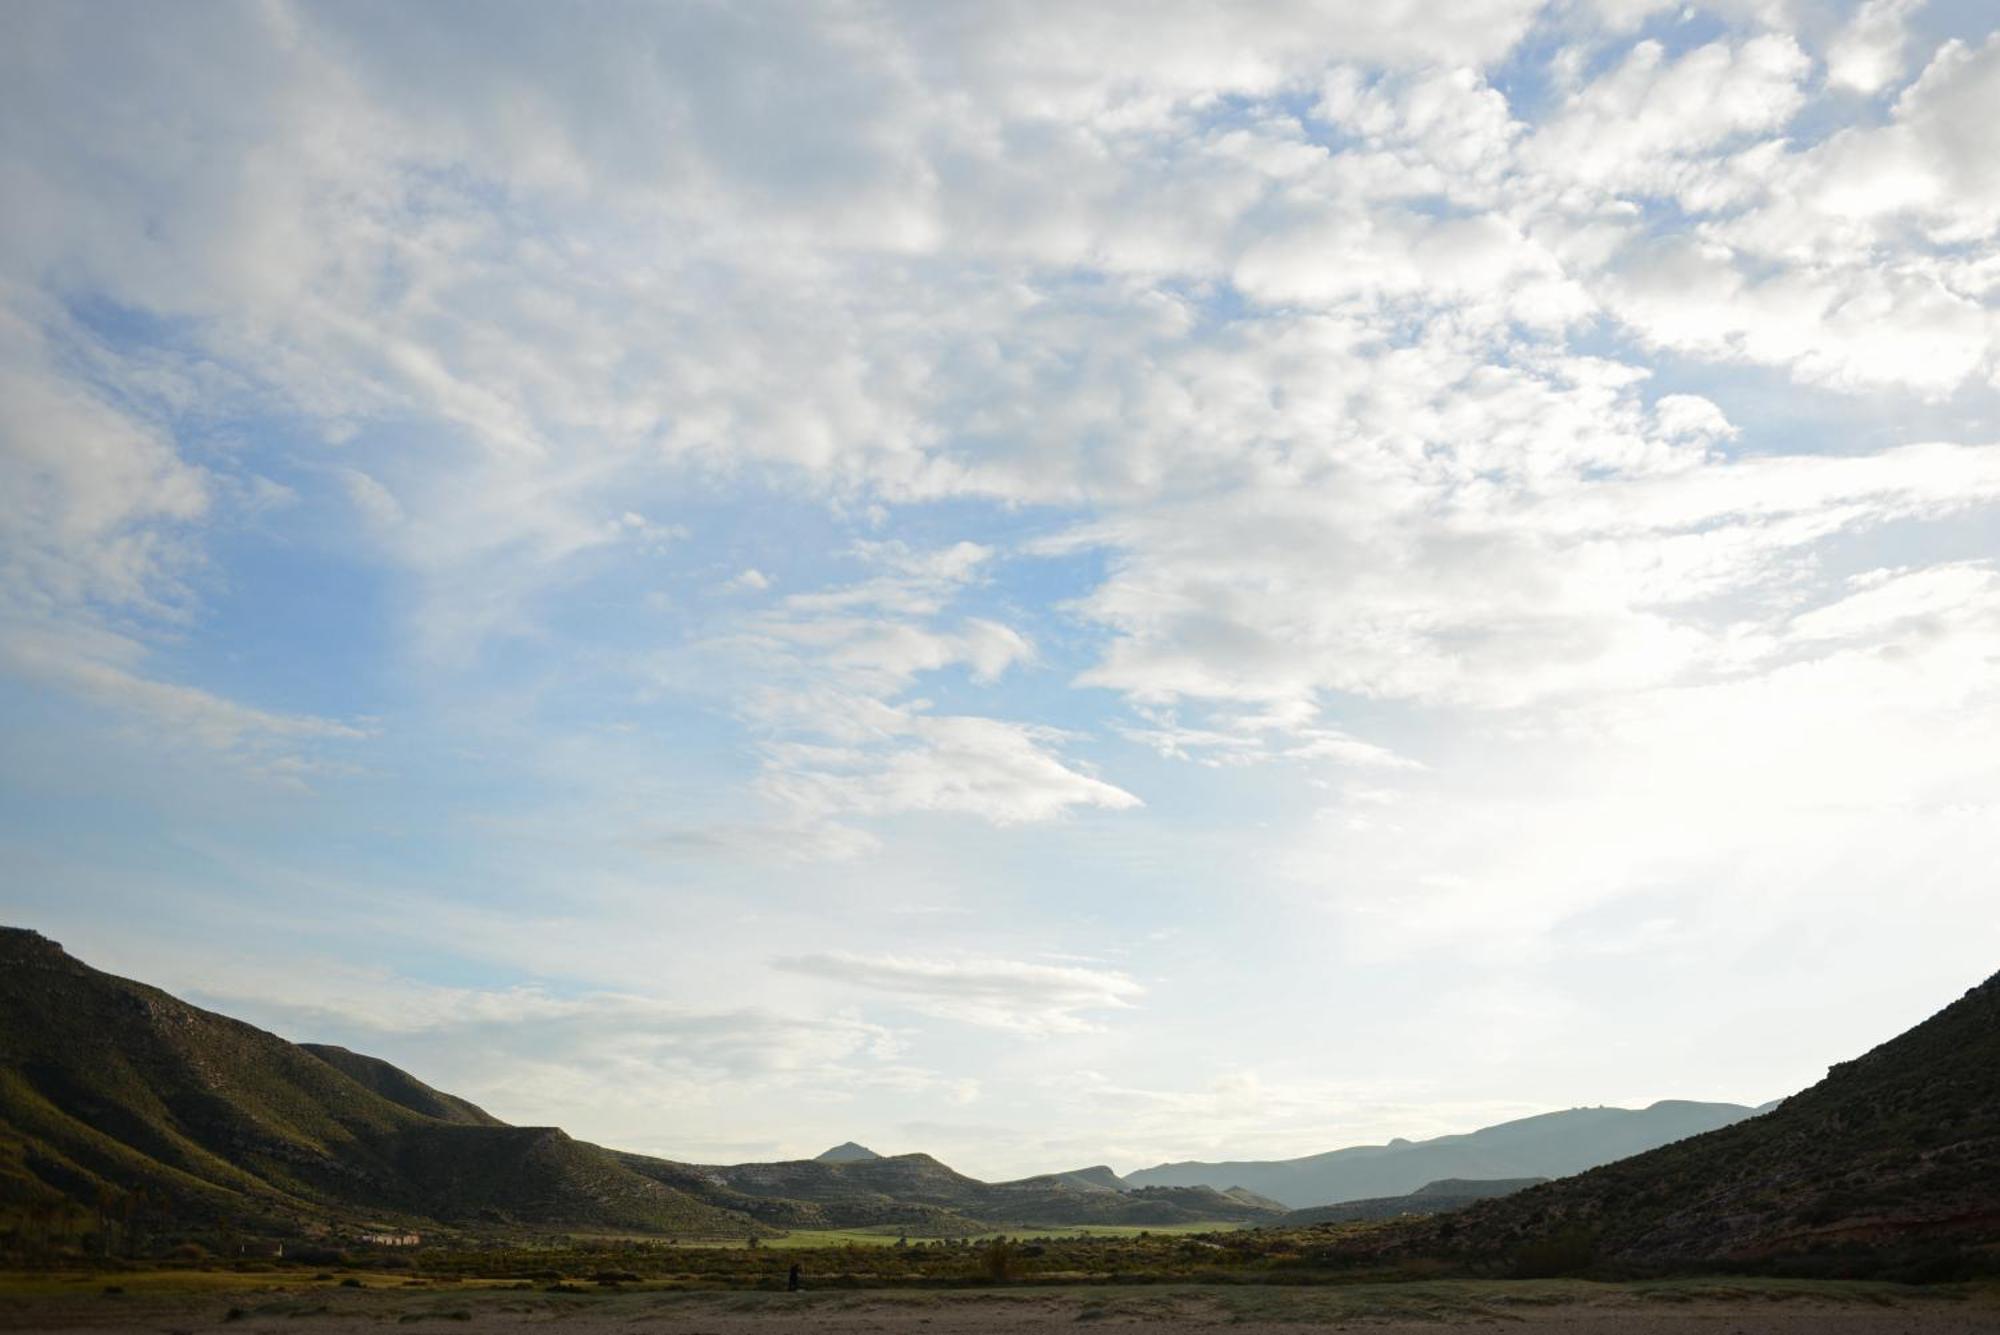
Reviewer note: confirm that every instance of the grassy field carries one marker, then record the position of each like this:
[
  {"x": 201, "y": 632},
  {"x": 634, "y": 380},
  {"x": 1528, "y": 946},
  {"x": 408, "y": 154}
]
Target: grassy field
[{"x": 814, "y": 1239}]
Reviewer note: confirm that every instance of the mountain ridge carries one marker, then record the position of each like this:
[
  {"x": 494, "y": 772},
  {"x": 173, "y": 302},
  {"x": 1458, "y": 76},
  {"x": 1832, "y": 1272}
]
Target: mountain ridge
[
  {"x": 1897, "y": 1149},
  {"x": 107, "y": 1084},
  {"x": 1544, "y": 1145}
]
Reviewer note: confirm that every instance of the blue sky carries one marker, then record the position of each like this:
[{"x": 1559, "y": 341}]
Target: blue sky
[{"x": 1045, "y": 587}]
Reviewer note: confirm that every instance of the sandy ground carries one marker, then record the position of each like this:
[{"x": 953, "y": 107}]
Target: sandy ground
[{"x": 1570, "y": 1310}]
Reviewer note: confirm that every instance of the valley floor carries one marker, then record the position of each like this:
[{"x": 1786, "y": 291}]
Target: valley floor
[{"x": 1687, "y": 1307}]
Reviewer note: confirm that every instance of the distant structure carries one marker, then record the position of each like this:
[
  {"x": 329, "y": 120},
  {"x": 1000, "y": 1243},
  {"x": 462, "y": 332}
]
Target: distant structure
[{"x": 392, "y": 1239}]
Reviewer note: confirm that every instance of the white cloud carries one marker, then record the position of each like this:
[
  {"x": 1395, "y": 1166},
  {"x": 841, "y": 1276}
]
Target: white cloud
[
  {"x": 846, "y": 741},
  {"x": 1261, "y": 385},
  {"x": 895, "y": 761},
  {"x": 371, "y": 498},
  {"x": 96, "y": 498},
  {"x": 1867, "y": 54},
  {"x": 1000, "y": 994},
  {"x": 1644, "y": 125}
]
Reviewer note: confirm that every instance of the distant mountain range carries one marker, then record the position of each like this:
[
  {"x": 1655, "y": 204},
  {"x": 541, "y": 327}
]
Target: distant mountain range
[
  {"x": 1553, "y": 1144},
  {"x": 917, "y": 1193}
]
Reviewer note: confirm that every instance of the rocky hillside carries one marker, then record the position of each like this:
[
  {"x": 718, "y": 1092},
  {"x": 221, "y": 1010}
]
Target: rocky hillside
[
  {"x": 399, "y": 1086},
  {"x": 110, "y": 1086},
  {"x": 107, "y": 1085},
  {"x": 1896, "y": 1151}
]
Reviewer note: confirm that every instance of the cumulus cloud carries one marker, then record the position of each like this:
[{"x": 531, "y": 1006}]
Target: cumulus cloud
[
  {"x": 1644, "y": 125},
  {"x": 1866, "y": 55},
  {"x": 846, "y": 740}
]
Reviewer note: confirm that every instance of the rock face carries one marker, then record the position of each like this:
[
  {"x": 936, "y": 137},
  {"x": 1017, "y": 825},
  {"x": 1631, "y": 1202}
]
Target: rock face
[
  {"x": 1550, "y": 1145},
  {"x": 1896, "y": 1152},
  {"x": 846, "y": 1152}
]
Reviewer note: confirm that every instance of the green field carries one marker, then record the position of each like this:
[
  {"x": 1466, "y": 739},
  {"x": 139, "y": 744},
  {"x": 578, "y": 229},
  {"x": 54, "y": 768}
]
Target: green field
[{"x": 886, "y": 1237}]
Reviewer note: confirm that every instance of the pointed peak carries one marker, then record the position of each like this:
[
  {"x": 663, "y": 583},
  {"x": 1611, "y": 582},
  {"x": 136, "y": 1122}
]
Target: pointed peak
[{"x": 847, "y": 1152}]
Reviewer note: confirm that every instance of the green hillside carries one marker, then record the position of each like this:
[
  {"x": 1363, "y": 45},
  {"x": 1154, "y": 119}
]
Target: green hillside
[
  {"x": 399, "y": 1086},
  {"x": 110, "y": 1087}
]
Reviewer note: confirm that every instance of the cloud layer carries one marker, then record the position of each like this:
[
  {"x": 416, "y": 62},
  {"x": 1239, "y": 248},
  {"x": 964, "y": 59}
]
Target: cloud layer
[{"x": 848, "y": 508}]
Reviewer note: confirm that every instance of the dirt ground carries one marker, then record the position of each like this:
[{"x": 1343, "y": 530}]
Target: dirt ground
[{"x": 1553, "y": 1308}]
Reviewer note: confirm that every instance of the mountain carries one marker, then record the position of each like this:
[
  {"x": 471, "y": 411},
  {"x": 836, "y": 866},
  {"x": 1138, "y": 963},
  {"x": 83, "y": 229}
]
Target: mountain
[
  {"x": 1439, "y": 1197},
  {"x": 107, "y": 1085},
  {"x": 1098, "y": 1177},
  {"x": 1894, "y": 1153},
  {"x": 399, "y": 1086},
  {"x": 1250, "y": 1198},
  {"x": 1549, "y": 1145},
  {"x": 918, "y": 1192}
]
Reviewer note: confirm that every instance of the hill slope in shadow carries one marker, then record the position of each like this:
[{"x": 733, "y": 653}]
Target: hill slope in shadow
[
  {"x": 110, "y": 1085},
  {"x": 1894, "y": 1151}
]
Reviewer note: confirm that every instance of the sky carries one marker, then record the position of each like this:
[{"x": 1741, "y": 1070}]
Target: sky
[{"x": 1046, "y": 584}]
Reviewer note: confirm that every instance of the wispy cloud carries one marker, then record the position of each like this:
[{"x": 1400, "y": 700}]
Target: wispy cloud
[
  {"x": 1396, "y": 498},
  {"x": 1001, "y": 994}
]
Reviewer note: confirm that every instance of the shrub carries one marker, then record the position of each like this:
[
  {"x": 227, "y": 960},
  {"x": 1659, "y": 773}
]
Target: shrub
[{"x": 1569, "y": 1252}]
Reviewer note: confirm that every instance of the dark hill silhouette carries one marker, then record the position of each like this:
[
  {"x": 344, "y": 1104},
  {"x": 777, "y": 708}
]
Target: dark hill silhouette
[
  {"x": 918, "y": 1191},
  {"x": 107, "y": 1084},
  {"x": 1896, "y": 1151},
  {"x": 110, "y": 1085},
  {"x": 846, "y": 1152},
  {"x": 1549, "y": 1145}
]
